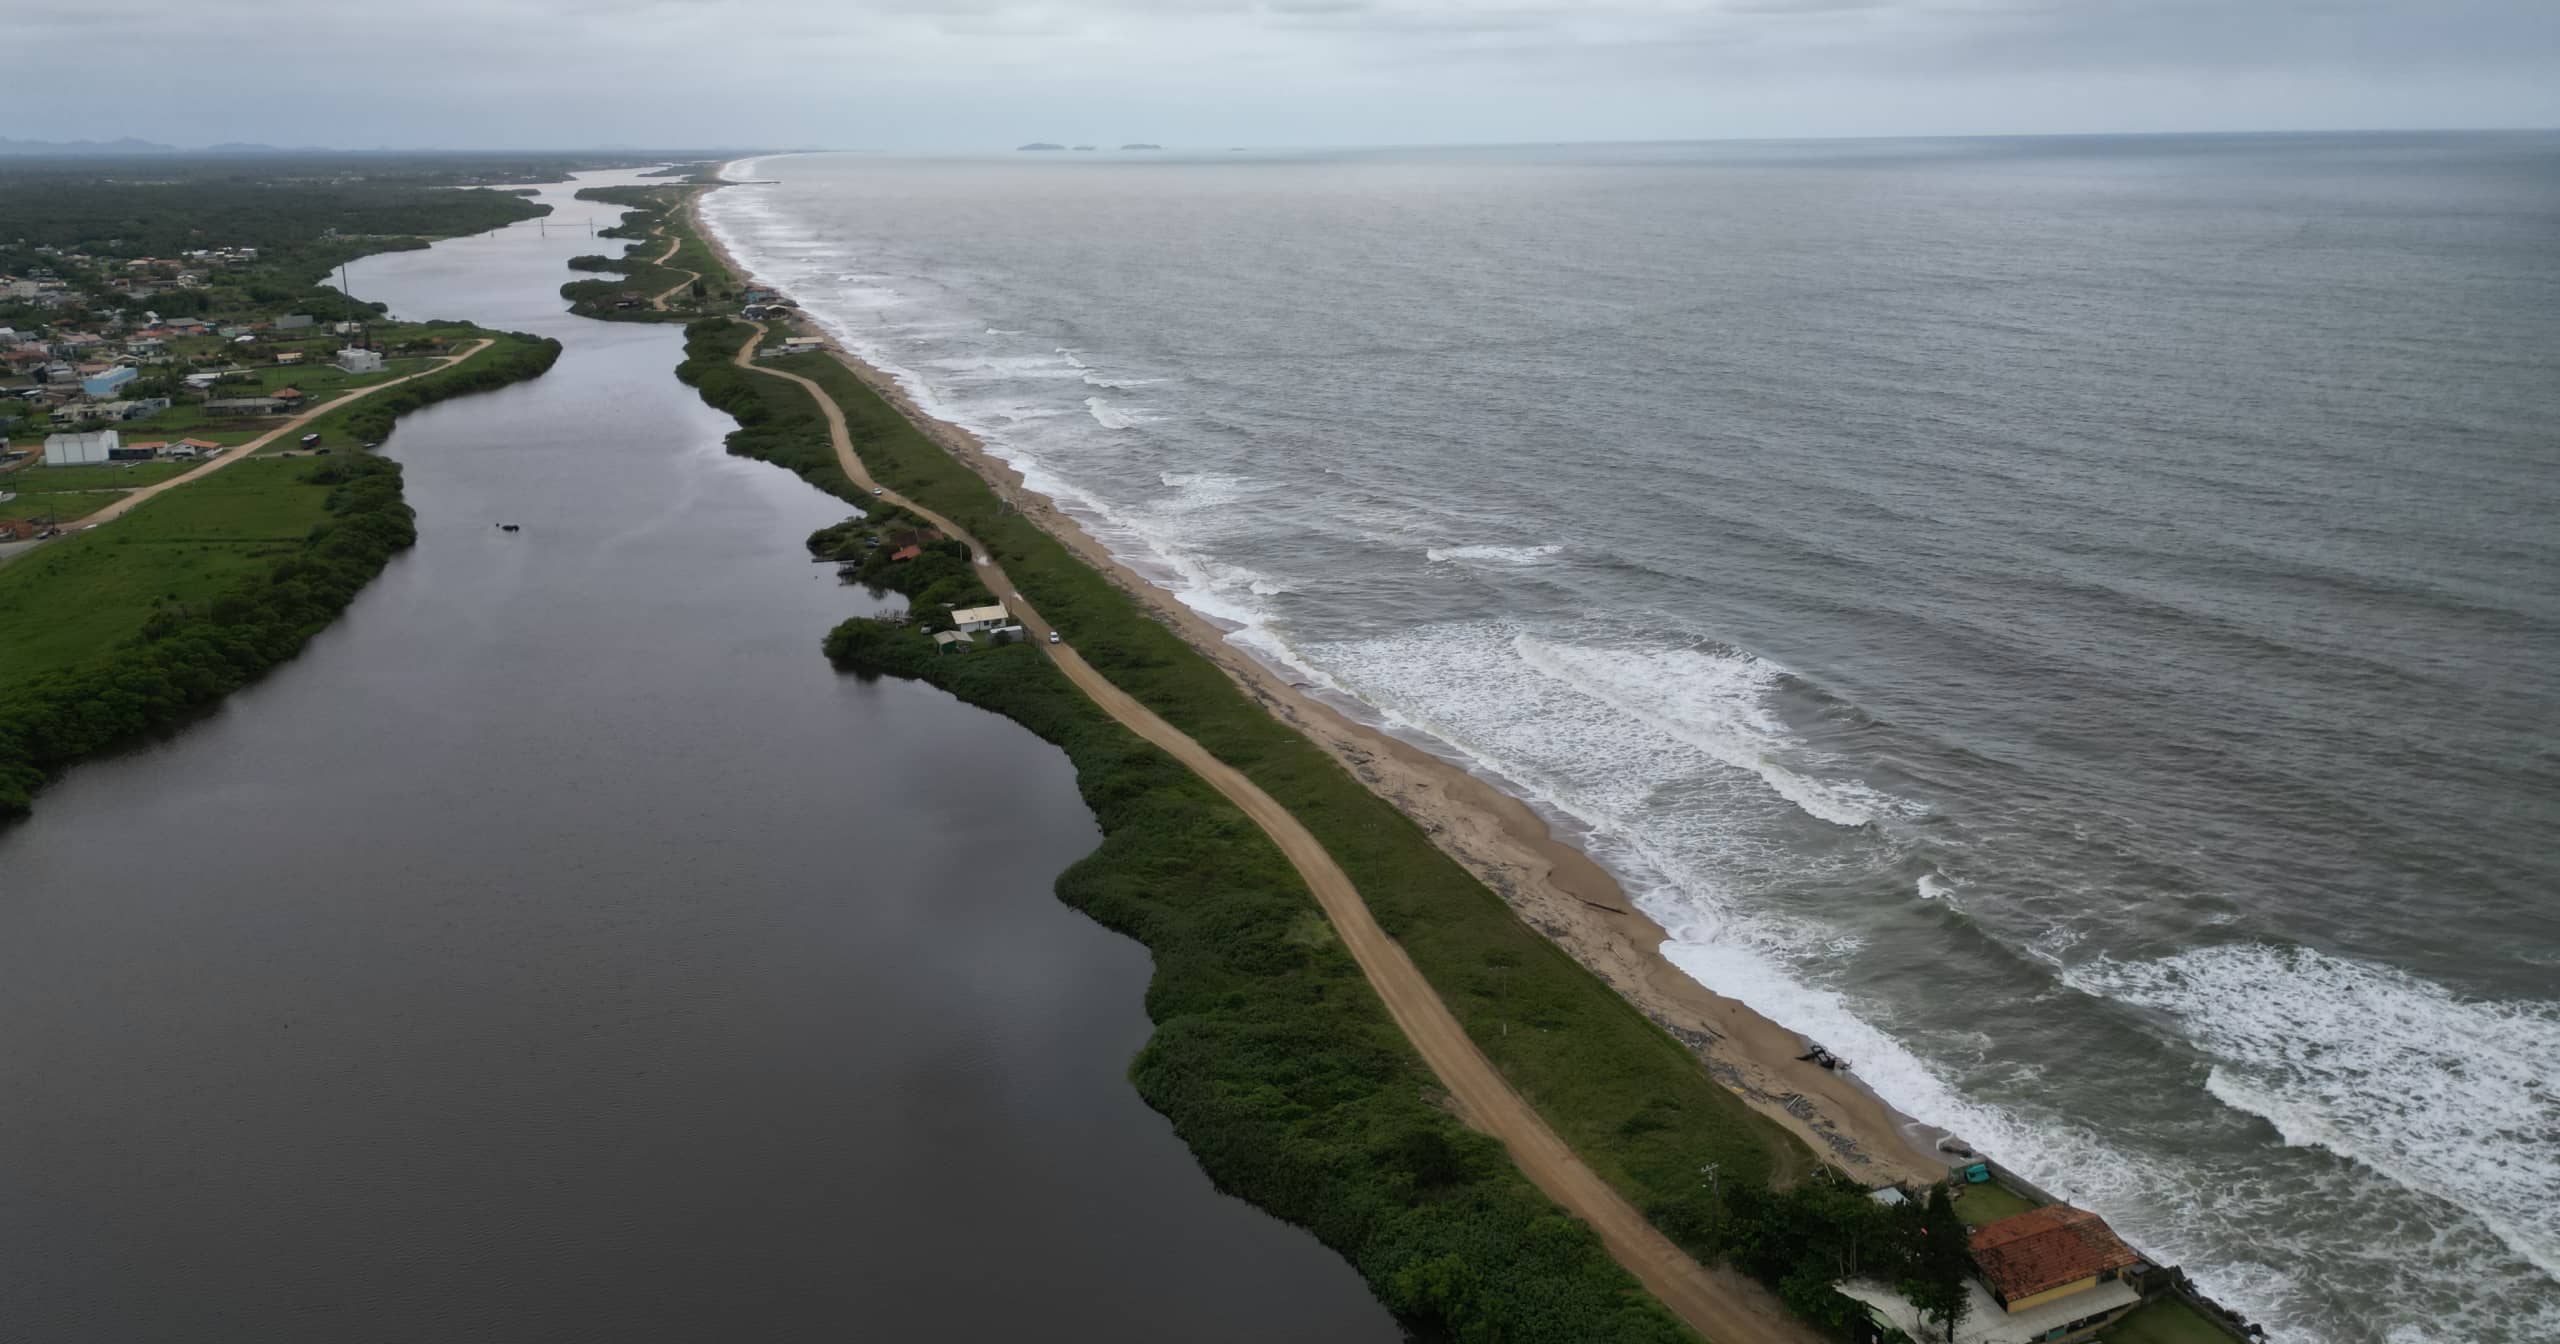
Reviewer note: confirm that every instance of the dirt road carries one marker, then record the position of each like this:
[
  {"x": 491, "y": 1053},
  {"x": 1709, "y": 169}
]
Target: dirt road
[
  {"x": 240, "y": 454},
  {"x": 1722, "y": 1306}
]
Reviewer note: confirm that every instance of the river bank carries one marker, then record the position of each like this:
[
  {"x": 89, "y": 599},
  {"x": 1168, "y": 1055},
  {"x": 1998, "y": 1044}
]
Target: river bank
[
  {"x": 560, "y": 949},
  {"x": 1553, "y": 886}
]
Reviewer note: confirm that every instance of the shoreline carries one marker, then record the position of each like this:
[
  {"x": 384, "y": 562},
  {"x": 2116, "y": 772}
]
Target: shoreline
[{"x": 1548, "y": 883}]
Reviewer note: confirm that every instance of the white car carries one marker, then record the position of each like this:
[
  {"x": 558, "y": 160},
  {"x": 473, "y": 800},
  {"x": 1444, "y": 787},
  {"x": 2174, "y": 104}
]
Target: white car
[{"x": 1053, "y": 638}]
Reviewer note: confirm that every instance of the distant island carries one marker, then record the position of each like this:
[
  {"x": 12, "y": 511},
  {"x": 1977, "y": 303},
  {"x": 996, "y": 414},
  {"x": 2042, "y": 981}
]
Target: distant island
[
  {"x": 1142, "y": 146},
  {"x": 1085, "y": 148},
  {"x": 1040, "y": 144}
]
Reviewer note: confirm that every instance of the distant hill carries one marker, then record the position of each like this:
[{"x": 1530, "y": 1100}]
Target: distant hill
[
  {"x": 127, "y": 145},
  {"x": 1142, "y": 146},
  {"x": 1040, "y": 144}
]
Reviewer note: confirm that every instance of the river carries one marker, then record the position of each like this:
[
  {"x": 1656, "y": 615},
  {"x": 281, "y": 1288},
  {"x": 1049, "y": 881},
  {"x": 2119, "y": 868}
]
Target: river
[{"x": 559, "y": 949}]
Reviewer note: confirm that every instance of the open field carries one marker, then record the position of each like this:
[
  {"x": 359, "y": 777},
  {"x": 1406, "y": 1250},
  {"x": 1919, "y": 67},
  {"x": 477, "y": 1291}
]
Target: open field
[{"x": 78, "y": 597}]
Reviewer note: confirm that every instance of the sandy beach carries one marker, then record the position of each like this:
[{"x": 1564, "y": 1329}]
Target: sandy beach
[{"x": 1549, "y": 883}]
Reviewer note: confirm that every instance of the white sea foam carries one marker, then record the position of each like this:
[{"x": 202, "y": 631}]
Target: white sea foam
[
  {"x": 2456, "y": 1097},
  {"x": 1111, "y": 417},
  {"x": 1198, "y": 490},
  {"x": 1493, "y": 555},
  {"x": 1719, "y": 702}
]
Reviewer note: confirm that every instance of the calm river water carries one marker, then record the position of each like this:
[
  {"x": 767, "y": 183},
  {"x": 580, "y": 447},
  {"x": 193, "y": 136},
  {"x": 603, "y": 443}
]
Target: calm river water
[{"x": 560, "y": 950}]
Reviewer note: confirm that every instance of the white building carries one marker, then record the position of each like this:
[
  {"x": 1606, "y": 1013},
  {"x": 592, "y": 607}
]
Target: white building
[
  {"x": 356, "y": 360},
  {"x": 971, "y": 620},
  {"x": 81, "y": 450}
]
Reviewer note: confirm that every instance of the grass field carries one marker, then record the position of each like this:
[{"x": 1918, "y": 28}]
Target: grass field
[
  {"x": 41, "y": 479},
  {"x": 2166, "y": 1320},
  {"x": 75, "y": 598},
  {"x": 1989, "y": 1202}
]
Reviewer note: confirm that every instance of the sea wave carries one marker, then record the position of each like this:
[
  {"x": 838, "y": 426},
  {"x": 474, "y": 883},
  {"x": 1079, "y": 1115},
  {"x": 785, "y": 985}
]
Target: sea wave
[
  {"x": 2459, "y": 1098},
  {"x": 1111, "y": 417},
  {"x": 1719, "y": 701},
  {"x": 1492, "y": 555}
]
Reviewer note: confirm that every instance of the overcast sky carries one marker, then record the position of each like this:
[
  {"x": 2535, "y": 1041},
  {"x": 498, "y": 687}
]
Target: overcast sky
[{"x": 936, "y": 74}]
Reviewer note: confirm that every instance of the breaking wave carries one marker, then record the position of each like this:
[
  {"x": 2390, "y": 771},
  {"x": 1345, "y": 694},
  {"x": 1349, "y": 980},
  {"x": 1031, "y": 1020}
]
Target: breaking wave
[
  {"x": 2455, "y": 1097},
  {"x": 1493, "y": 555}
]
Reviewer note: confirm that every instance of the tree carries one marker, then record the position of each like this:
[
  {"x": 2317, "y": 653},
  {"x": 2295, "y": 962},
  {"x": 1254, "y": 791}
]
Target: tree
[{"x": 1937, "y": 1284}]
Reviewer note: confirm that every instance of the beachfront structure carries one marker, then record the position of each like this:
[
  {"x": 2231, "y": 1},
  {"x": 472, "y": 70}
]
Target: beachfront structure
[
  {"x": 81, "y": 450},
  {"x": 971, "y": 620},
  {"x": 354, "y": 359},
  {"x": 2046, "y": 1276}
]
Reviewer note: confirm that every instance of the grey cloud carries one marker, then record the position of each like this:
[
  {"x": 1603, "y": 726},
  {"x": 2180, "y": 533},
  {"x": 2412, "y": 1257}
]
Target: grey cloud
[{"x": 991, "y": 72}]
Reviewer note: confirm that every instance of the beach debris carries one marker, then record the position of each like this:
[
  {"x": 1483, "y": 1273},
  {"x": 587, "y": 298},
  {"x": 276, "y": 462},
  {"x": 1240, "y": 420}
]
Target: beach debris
[{"x": 1818, "y": 1055}]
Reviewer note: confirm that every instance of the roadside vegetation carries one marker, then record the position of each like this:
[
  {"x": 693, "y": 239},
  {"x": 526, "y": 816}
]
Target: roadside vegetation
[
  {"x": 129, "y": 629},
  {"x": 192, "y": 597}
]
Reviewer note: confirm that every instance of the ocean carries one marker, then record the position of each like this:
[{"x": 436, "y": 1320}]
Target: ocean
[{"x": 2067, "y": 623}]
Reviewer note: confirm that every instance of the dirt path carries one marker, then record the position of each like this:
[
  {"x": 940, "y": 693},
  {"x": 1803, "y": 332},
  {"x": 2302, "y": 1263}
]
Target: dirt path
[
  {"x": 1718, "y": 1304},
  {"x": 673, "y": 242},
  {"x": 230, "y": 455}
]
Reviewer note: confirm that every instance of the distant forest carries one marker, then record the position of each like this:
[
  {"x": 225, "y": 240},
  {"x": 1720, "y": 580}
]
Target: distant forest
[{"x": 158, "y": 207}]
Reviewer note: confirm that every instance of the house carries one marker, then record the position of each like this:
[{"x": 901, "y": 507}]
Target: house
[
  {"x": 906, "y": 553},
  {"x": 288, "y": 356},
  {"x": 293, "y": 322},
  {"x": 243, "y": 406},
  {"x": 804, "y": 345},
  {"x": 947, "y": 638},
  {"x": 971, "y": 620},
  {"x": 2050, "y": 1255},
  {"x": 105, "y": 384},
  {"x": 20, "y": 529},
  {"x": 138, "y": 451},
  {"x": 2047, "y": 1276},
  {"x": 289, "y": 397},
  {"x": 81, "y": 450},
  {"x": 355, "y": 360},
  {"x": 198, "y": 382}
]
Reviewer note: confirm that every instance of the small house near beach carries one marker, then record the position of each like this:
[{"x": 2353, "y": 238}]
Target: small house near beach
[{"x": 971, "y": 620}]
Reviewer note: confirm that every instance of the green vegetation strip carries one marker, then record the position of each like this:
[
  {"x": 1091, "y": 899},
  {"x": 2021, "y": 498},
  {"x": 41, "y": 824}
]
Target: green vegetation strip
[
  {"x": 1240, "y": 945},
  {"x": 132, "y": 627},
  {"x": 655, "y": 211}
]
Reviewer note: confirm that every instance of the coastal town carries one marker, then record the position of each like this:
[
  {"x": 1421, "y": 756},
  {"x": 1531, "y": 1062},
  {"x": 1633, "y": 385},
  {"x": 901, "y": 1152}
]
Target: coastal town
[{"x": 116, "y": 368}]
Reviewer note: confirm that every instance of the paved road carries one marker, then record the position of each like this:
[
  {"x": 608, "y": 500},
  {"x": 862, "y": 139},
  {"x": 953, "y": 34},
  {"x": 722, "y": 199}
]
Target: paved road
[{"x": 1719, "y": 1304}]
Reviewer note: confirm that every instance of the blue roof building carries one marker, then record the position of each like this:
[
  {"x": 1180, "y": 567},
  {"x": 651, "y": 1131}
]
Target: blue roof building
[{"x": 105, "y": 384}]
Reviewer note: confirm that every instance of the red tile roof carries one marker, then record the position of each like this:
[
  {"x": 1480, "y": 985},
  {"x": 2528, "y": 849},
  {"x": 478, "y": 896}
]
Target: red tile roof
[
  {"x": 2044, "y": 1249},
  {"x": 906, "y": 553}
]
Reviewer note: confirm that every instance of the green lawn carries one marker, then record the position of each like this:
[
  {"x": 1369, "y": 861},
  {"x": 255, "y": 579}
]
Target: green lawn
[
  {"x": 2166, "y": 1320},
  {"x": 1989, "y": 1202},
  {"x": 75, "y": 598},
  {"x": 60, "y": 506},
  {"x": 41, "y": 479}
]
